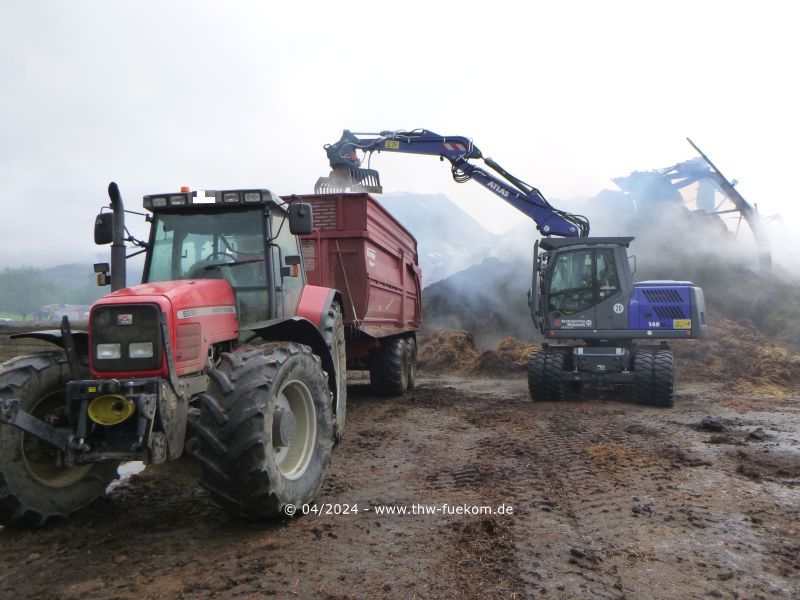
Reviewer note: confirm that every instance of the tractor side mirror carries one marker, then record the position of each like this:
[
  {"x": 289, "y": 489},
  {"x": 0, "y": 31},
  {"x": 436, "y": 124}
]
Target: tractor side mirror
[
  {"x": 104, "y": 228},
  {"x": 301, "y": 220}
]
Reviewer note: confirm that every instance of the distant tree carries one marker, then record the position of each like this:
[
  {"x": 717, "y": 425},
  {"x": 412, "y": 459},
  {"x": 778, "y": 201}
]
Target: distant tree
[{"x": 24, "y": 290}]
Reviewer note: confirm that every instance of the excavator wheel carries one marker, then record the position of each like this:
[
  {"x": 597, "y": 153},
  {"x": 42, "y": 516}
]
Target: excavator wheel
[
  {"x": 653, "y": 378},
  {"x": 556, "y": 389},
  {"x": 536, "y": 385}
]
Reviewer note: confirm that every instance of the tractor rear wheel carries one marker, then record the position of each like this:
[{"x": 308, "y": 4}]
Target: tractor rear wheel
[
  {"x": 333, "y": 332},
  {"x": 34, "y": 489},
  {"x": 388, "y": 369},
  {"x": 264, "y": 429}
]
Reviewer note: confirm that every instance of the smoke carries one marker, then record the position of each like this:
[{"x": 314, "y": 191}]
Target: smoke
[{"x": 671, "y": 242}]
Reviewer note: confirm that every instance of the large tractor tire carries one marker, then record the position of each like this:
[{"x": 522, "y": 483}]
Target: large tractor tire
[
  {"x": 388, "y": 369},
  {"x": 34, "y": 490},
  {"x": 536, "y": 386},
  {"x": 264, "y": 429},
  {"x": 653, "y": 378},
  {"x": 411, "y": 357},
  {"x": 333, "y": 332}
]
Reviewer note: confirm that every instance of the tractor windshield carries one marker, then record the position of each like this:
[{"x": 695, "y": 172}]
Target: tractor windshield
[{"x": 213, "y": 245}]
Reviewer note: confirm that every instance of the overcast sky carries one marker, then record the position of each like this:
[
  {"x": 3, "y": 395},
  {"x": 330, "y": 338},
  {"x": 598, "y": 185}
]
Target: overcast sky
[{"x": 565, "y": 95}]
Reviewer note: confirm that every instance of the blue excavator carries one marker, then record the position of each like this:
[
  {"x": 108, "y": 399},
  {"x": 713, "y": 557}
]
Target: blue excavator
[{"x": 600, "y": 327}]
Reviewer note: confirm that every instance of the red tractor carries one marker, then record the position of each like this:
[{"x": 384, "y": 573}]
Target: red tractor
[{"x": 223, "y": 352}]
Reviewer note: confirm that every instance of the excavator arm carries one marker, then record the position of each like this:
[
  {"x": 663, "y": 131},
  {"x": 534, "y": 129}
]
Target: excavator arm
[{"x": 348, "y": 175}]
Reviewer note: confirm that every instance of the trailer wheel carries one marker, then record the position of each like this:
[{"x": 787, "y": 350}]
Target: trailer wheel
[
  {"x": 34, "y": 490},
  {"x": 333, "y": 332},
  {"x": 264, "y": 429},
  {"x": 388, "y": 371},
  {"x": 556, "y": 389},
  {"x": 411, "y": 355},
  {"x": 536, "y": 386}
]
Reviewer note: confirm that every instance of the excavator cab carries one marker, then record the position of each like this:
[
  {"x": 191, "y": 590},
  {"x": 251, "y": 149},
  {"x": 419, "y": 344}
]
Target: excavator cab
[{"x": 581, "y": 285}]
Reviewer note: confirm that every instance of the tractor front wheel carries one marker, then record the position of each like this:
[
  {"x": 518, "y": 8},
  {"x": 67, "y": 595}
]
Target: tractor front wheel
[
  {"x": 264, "y": 429},
  {"x": 35, "y": 489}
]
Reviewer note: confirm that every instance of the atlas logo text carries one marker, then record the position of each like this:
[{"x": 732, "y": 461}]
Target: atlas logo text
[{"x": 496, "y": 188}]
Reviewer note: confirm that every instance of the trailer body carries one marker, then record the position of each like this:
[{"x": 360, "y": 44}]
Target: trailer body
[{"x": 360, "y": 249}]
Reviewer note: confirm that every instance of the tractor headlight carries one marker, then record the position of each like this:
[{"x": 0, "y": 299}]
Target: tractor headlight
[
  {"x": 230, "y": 197},
  {"x": 159, "y": 202},
  {"x": 108, "y": 351},
  {"x": 140, "y": 350},
  {"x": 177, "y": 199},
  {"x": 252, "y": 196}
]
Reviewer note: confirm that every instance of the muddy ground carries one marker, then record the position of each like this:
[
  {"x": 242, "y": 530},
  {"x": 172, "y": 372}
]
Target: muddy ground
[{"x": 610, "y": 499}]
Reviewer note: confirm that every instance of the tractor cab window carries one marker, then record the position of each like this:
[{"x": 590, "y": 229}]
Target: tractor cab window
[
  {"x": 571, "y": 282},
  {"x": 215, "y": 245}
]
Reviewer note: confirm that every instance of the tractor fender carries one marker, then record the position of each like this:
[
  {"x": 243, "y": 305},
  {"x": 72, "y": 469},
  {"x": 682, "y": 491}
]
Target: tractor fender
[
  {"x": 54, "y": 336},
  {"x": 300, "y": 330},
  {"x": 315, "y": 302}
]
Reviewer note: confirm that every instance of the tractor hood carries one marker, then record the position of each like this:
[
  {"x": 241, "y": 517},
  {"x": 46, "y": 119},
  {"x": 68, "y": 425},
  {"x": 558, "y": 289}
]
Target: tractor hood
[{"x": 199, "y": 312}]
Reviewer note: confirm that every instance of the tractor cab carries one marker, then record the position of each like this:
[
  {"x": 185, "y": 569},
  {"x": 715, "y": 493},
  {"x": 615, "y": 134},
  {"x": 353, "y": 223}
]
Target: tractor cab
[{"x": 245, "y": 237}]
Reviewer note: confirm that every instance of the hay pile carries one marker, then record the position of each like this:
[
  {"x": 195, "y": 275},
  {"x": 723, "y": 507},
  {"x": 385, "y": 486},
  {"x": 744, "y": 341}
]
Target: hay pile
[
  {"x": 444, "y": 351},
  {"x": 735, "y": 353},
  {"x": 738, "y": 355}
]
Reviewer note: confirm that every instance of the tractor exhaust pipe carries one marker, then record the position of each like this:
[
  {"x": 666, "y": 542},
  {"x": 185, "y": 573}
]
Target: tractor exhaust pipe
[{"x": 118, "y": 276}]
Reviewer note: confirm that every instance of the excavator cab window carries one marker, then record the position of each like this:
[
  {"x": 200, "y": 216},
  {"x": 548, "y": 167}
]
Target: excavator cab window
[
  {"x": 571, "y": 283},
  {"x": 582, "y": 278}
]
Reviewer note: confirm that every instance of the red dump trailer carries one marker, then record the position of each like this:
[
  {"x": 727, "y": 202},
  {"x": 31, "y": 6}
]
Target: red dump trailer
[{"x": 360, "y": 249}]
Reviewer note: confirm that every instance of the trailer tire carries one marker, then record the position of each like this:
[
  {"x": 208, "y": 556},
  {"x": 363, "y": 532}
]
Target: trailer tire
[
  {"x": 34, "y": 491},
  {"x": 388, "y": 371},
  {"x": 411, "y": 355},
  {"x": 255, "y": 459},
  {"x": 556, "y": 389},
  {"x": 333, "y": 333},
  {"x": 536, "y": 386}
]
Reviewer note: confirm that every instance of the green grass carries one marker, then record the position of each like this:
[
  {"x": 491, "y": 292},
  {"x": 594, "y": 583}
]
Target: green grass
[{"x": 10, "y": 315}]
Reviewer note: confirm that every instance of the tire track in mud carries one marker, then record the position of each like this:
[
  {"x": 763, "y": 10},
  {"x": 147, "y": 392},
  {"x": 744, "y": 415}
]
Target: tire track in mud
[{"x": 610, "y": 500}]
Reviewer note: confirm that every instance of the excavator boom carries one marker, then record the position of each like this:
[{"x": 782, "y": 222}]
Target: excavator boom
[{"x": 348, "y": 175}]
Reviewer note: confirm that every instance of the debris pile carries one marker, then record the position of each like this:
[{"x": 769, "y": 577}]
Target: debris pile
[
  {"x": 511, "y": 356},
  {"x": 736, "y": 353},
  {"x": 446, "y": 351}
]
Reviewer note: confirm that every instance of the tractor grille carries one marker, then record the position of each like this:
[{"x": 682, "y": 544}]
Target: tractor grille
[{"x": 124, "y": 324}]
